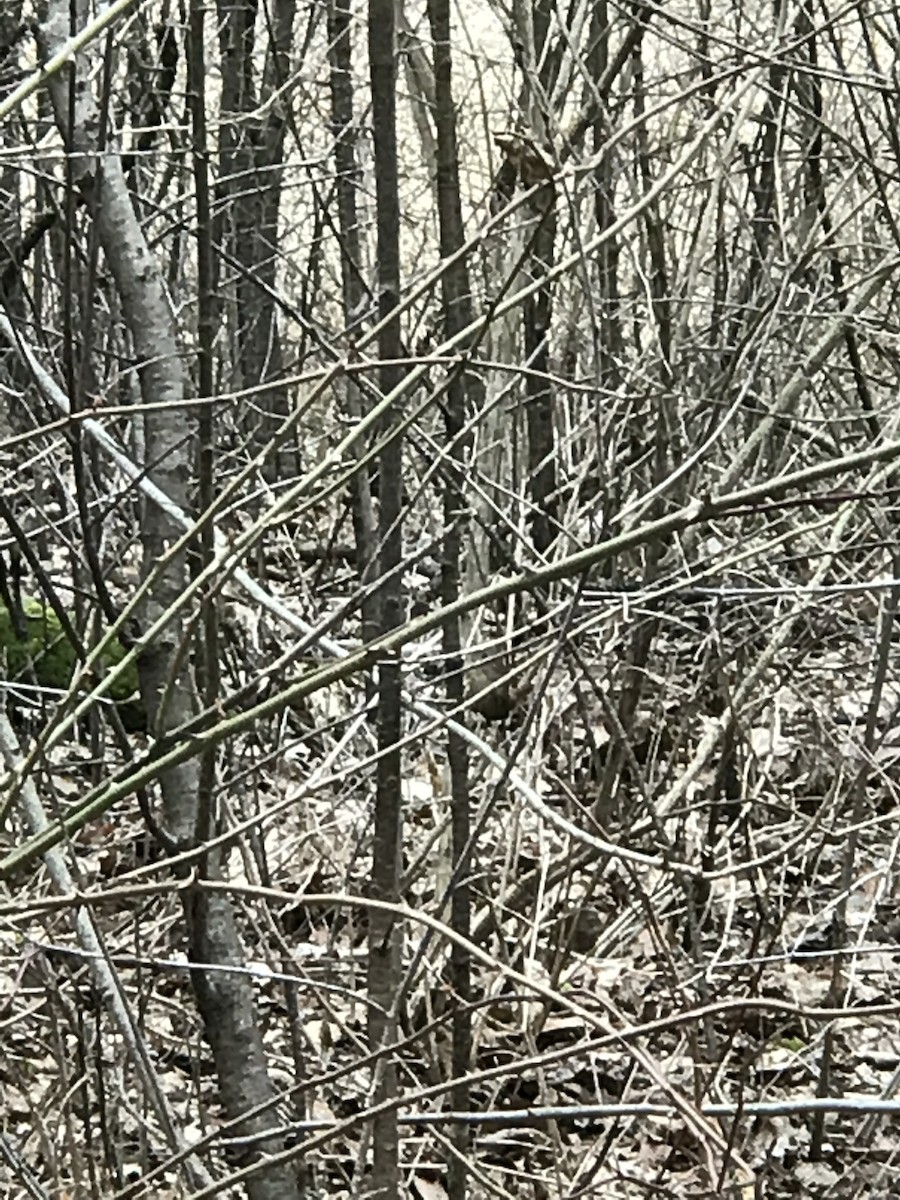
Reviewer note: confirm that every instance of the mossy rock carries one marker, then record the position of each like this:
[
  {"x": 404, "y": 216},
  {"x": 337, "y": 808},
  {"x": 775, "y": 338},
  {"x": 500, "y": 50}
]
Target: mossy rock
[{"x": 46, "y": 650}]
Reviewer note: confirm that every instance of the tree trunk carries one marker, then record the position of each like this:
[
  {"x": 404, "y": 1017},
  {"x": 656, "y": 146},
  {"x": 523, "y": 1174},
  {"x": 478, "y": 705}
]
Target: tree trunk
[
  {"x": 457, "y": 313},
  {"x": 225, "y": 1000},
  {"x": 384, "y": 932},
  {"x": 355, "y": 293},
  {"x": 251, "y": 154}
]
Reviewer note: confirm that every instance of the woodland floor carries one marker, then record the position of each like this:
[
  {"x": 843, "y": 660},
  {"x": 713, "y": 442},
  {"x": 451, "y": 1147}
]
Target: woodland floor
[{"x": 732, "y": 983}]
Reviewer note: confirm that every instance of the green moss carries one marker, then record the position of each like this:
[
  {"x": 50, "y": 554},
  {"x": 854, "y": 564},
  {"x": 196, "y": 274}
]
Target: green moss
[{"x": 47, "y": 650}]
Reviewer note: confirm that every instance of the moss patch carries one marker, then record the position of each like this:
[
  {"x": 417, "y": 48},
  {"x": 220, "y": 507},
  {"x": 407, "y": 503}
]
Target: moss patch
[{"x": 46, "y": 649}]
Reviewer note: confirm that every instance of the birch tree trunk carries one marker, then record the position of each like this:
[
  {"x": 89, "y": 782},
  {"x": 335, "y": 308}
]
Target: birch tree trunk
[{"x": 225, "y": 999}]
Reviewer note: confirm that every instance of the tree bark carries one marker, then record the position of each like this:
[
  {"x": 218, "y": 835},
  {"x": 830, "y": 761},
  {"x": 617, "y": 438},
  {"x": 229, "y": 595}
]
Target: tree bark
[
  {"x": 355, "y": 293},
  {"x": 225, "y": 1000},
  {"x": 251, "y": 154},
  {"x": 457, "y": 313},
  {"x": 384, "y": 932}
]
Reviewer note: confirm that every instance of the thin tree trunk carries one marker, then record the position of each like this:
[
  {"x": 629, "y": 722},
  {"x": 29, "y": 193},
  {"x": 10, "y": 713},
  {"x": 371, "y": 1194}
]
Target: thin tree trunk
[
  {"x": 540, "y": 60},
  {"x": 456, "y": 296},
  {"x": 12, "y": 250},
  {"x": 251, "y": 157},
  {"x": 384, "y": 932},
  {"x": 354, "y": 290},
  {"x": 539, "y": 397}
]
